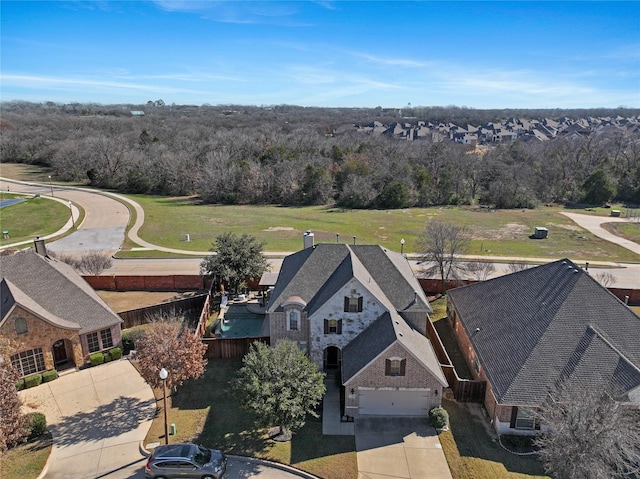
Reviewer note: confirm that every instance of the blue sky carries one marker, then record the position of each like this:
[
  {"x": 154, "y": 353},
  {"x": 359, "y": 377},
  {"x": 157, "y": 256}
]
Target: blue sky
[{"x": 479, "y": 54}]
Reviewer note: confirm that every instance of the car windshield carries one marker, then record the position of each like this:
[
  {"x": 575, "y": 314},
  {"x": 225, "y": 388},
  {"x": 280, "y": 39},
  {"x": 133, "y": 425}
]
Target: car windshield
[{"x": 202, "y": 456}]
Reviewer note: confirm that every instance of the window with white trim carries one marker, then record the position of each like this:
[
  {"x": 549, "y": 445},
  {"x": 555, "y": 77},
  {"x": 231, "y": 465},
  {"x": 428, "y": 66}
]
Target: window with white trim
[
  {"x": 353, "y": 304},
  {"x": 293, "y": 320},
  {"x": 395, "y": 367},
  {"x": 28, "y": 362},
  {"x": 525, "y": 419},
  {"x": 107, "y": 340},
  {"x": 93, "y": 343}
]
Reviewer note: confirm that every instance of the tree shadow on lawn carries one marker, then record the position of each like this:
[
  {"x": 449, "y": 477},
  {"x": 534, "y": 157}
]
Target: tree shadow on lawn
[
  {"x": 473, "y": 440},
  {"x": 230, "y": 428}
]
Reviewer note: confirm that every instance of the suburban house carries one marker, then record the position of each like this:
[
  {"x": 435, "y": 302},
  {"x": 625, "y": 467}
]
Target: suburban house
[
  {"x": 53, "y": 318},
  {"x": 530, "y": 332},
  {"x": 359, "y": 313}
]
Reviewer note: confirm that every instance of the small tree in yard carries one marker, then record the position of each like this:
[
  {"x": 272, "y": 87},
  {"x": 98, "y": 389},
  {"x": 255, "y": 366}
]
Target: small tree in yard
[
  {"x": 166, "y": 344},
  {"x": 591, "y": 436},
  {"x": 280, "y": 385},
  {"x": 13, "y": 424},
  {"x": 91, "y": 263},
  {"x": 236, "y": 259},
  {"x": 440, "y": 246}
]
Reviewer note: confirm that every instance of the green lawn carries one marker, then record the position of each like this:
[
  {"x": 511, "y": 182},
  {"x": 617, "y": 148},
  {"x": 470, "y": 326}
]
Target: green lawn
[
  {"x": 30, "y": 218},
  {"x": 630, "y": 231},
  {"x": 495, "y": 232},
  {"x": 472, "y": 454},
  {"x": 27, "y": 460},
  {"x": 204, "y": 411}
]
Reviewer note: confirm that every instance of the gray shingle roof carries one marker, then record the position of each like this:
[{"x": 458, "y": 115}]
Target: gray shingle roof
[
  {"x": 54, "y": 291},
  {"x": 546, "y": 324}
]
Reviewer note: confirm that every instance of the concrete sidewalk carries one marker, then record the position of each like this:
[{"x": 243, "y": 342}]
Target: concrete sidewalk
[{"x": 98, "y": 418}]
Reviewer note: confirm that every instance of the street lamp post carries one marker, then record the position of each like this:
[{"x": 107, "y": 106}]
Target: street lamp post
[
  {"x": 50, "y": 185},
  {"x": 402, "y": 246},
  {"x": 73, "y": 221},
  {"x": 163, "y": 375}
]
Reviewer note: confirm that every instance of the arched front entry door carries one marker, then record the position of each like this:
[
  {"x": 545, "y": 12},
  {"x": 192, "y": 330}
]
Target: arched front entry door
[
  {"x": 62, "y": 354},
  {"x": 332, "y": 358}
]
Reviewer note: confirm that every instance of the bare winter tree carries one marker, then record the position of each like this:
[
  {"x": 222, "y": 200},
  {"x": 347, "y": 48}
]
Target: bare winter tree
[
  {"x": 167, "y": 344},
  {"x": 515, "y": 267},
  {"x": 440, "y": 246},
  {"x": 13, "y": 423},
  {"x": 91, "y": 263},
  {"x": 591, "y": 435},
  {"x": 605, "y": 278},
  {"x": 479, "y": 270}
]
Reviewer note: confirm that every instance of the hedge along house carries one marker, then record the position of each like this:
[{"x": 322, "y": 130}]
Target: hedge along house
[
  {"x": 530, "y": 332},
  {"x": 51, "y": 315},
  {"x": 360, "y": 314}
]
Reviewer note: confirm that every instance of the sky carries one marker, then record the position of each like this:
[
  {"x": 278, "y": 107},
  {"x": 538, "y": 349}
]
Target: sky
[{"x": 476, "y": 54}]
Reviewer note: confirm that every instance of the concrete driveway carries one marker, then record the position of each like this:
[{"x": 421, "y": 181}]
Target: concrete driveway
[
  {"x": 98, "y": 418},
  {"x": 399, "y": 448}
]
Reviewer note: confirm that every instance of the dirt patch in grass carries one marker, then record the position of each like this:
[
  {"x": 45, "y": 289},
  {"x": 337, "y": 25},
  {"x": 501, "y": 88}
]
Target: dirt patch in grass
[
  {"x": 126, "y": 300},
  {"x": 27, "y": 460}
]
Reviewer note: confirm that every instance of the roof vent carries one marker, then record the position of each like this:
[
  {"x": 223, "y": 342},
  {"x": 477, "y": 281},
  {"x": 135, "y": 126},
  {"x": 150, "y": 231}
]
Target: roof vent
[
  {"x": 477, "y": 330},
  {"x": 308, "y": 240}
]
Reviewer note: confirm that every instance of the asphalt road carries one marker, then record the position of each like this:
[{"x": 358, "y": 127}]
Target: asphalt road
[{"x": 103, "y": 229}]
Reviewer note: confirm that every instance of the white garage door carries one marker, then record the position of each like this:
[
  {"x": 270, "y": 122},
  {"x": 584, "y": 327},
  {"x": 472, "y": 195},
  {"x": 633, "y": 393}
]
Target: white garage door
[{"x": 384, "y": 402}]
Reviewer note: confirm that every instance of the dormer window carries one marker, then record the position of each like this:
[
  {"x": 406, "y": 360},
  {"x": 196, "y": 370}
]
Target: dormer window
[
  {"x": 293, "y": 320},
  {"x": 353, "y": 304}
]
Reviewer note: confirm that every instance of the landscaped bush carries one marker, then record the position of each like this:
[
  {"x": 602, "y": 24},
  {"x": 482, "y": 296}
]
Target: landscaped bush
[
  {"x": 96, "y": 359},
  {"x": 49, "y": 376},
  {"x": 20, "y": 384},
  {"x": 107, "y": 357},
  {"x": 439, "y": 417},
  {"x": 37, "y": 425},
  {"x": 33, "y": 380},
  {"x": 116, "y": 353},
  {"x": 129, "y": 338},
  {"x": 517, "y": 443}
]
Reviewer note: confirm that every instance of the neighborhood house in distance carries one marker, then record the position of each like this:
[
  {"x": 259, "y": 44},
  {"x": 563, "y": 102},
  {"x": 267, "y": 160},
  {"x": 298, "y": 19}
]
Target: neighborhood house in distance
[
  {"x": 52, "y": 315},
  {"x": 360, "y": 311},
  {"x": 530, "y": 332}
]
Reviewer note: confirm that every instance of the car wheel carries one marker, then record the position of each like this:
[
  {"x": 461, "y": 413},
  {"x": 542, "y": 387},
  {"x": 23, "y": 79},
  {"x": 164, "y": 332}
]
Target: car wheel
[{"x": 208, "y": 477}]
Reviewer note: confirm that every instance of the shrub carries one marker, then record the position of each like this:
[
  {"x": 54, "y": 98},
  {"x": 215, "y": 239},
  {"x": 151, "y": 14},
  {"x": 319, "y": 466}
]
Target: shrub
[
  {"x": 20, "y": 384},
  {"x": 37, "y": 424},
  {"x": 107, "y": 357},
  {"x": 439, "y": 418},
  {"x": 129, "y": 338},
  {"x": 49, "y": 376},
  {"x": 96, "y": 359},
  {"x": 33, "y": 380},
  {"x": 116, "y": 353},
  {"x": 517, "y": 443}
]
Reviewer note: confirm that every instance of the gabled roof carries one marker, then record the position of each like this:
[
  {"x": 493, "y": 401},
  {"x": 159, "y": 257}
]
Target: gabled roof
[
  {"x": 388, "y": 329},
  {"x": 54, "y": 291},
  {"x": 536, "y": 328},
  {"x": 315, "y": 274}
]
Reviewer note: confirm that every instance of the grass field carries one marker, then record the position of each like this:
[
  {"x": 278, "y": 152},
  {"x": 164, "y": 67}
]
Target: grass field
[
  {"x": 27, "y": 460},
  {"x": 31, "y": 217},
  {"x": 630, "y": 231},
  {"x": 494, "y": 232}
]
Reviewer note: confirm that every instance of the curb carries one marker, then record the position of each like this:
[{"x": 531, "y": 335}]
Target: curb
[{"x": 275, "y": 465}]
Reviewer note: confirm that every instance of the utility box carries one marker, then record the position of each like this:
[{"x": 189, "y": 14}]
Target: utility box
[
  {"x": 173, "y": 429},
  {"x": 540, "y": 232},
  {"x": 615, "y": 213}
]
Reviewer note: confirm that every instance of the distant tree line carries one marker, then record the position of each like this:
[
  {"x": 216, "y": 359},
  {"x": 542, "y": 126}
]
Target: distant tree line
[{"x": 290, "y": 155}]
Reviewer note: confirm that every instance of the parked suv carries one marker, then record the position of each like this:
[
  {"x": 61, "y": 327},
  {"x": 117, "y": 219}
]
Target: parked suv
[{"x": 188, "y": 461}]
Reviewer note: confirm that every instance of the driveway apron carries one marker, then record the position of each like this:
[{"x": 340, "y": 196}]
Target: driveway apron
[
  {"x": 399, "y": 448},
  {"x": 98, "y": 418}
]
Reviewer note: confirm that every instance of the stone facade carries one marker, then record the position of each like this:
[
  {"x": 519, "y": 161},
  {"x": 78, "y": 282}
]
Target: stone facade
[
  {"x": 43, "y": 334},
  {"x": 416, "y": 377}
]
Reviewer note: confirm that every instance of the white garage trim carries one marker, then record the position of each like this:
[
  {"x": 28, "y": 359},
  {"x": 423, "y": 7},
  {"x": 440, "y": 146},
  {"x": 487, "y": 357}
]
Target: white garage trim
[{"x": 393, "y": 402}]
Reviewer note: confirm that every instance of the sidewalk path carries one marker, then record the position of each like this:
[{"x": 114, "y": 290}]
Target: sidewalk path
[{"x": 594, "y": 225}]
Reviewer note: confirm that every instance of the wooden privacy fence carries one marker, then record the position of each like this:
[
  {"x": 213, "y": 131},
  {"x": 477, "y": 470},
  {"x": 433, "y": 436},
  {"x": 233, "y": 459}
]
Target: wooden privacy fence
[
  {"x": 219, "y": 348},
  {"x": 464, "y": 390},
  {"x": 136, "y": 317}
]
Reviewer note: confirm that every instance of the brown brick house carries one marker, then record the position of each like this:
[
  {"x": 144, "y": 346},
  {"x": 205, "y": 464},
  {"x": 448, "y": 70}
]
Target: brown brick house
[
  {"x": 530, "y": 332},
  {"x": 53, "y": 318},
  {"x": 360, "y": 314}
]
